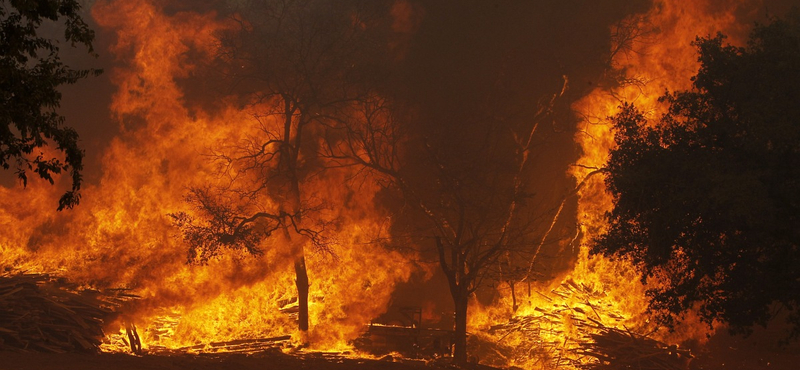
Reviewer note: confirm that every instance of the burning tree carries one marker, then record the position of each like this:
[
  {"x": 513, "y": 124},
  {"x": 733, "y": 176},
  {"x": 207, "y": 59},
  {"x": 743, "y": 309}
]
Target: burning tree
[
  {"x": 706, "y": 197},
  {"x": 456, "y": 160},
  {"x": 307, "y": 61},
  {"x": 30, "y": 74},
  {"x": 464, "y": 192}
]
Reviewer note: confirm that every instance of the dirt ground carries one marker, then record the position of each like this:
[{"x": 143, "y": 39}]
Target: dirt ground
[
  {"x": 741, "y": 357},
  {"x": 760, "y": 351},
  {"x": 262, "y": 361}
]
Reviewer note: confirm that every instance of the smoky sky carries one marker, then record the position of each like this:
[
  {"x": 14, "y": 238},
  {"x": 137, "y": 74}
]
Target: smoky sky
[
  {"x": 455, "y": 49},
  {"x": 516, "y": 52},
  {"x": 459, "y": 51},
  {"x": 455, "y": 53}
]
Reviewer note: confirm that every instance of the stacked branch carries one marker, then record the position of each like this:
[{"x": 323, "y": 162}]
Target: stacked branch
[
  {"x": 43, "y": 314},
  {"x": 621, "y": 349},
  {"x": 245, "y": 346},
  {"x": 578, "y": 328},
  {"x": 547, "y": 334}
]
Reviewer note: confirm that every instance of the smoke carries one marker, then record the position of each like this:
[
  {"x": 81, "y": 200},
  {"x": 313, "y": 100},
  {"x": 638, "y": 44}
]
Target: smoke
[
  {"x": 447, "y": 61},
  {"x": 481, "y": 63},
  {"x": 447, "y": 53}
]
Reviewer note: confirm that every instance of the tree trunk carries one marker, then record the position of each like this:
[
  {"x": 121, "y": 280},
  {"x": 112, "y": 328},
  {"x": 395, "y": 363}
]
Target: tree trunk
[
  {"x": 301, "y": 280},
  {"x": 460, "y": 298},
  {"x": 514, "y": 305}
]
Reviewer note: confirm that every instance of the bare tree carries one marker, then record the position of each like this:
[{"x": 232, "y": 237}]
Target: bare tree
[{"x": 466, "y": 195}]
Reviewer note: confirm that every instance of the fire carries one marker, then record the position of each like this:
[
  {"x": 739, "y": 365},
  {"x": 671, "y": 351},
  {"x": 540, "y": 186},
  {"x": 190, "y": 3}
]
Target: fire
[
  {"x": 651, "y": 54},
  {"x": 121, "y": 235}
]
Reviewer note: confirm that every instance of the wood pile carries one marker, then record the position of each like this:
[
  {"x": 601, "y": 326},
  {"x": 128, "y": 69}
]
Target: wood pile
[
  {"x": 246, "y": 346},
  {"x": 575, "y": 327},
  {"x": 621, "y": 349},
  {"x": 45, "y": 314}
]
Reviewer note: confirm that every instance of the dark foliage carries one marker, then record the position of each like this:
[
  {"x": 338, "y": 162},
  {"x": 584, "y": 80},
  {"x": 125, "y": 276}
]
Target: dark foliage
[
  {"x": 220, "y": 224},
  {"x": 708, "y": 197},
  {"x": 30, "y": 75},
  {"x": 221, "y": 227}
]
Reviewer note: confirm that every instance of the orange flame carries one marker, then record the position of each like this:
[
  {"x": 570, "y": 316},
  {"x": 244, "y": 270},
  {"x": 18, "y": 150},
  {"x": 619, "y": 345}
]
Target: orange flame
[
  {"x": 652, "y": 53},
  {"x": 121, "y": 235}
]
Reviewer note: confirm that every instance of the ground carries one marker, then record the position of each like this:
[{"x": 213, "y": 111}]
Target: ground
[
  {"x": 274, "y": 360},
  {"x": 723, "y": 352}
]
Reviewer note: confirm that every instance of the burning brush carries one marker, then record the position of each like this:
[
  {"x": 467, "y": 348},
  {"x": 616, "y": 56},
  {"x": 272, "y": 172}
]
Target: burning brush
[{"x": 585, "y": 334}]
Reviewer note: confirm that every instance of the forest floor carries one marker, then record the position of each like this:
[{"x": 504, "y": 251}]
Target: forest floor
[
  {"x": 268, "y": 360},
  {"x": 723, "y": 352},
  {"x": 732, "y": 355}
]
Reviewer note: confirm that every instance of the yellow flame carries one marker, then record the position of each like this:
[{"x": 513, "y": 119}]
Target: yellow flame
[
  {"x": 120, "y": 236},
  {"x": 653, "y": 55}
]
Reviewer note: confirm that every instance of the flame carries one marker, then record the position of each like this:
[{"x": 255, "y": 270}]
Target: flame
[
  {"x": 121, "y": 235},
  {"x": 651, "y": 54}
]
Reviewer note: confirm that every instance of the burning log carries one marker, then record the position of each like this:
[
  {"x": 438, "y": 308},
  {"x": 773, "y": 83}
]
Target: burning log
[
  {"x": 133, "y": 338},
  {"x": 45, "y": 314}
]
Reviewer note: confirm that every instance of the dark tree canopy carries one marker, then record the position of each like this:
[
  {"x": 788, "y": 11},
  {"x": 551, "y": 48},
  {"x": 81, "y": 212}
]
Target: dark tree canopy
[
  {"x": 708, "y": 197},
  {"x": 30, "y": 75}
]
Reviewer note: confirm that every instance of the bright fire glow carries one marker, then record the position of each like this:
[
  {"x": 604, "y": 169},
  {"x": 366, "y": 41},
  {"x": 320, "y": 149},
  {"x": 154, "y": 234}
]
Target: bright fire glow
[
  {"x": 653, "y": 54},
  {"x": 121, "y": 235}
]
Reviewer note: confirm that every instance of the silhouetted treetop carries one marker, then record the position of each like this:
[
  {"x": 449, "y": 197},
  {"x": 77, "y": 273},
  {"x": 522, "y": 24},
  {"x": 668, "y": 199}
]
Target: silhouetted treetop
[{"x": 30, "y": 74}]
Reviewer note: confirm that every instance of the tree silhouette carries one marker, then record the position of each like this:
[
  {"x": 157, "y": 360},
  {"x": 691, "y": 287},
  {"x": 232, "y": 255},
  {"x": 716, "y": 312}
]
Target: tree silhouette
[
  {"x": 707, "y": 197},
  {"x": 30, "y": 74},
  {"x": 462, "y": 193}
]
